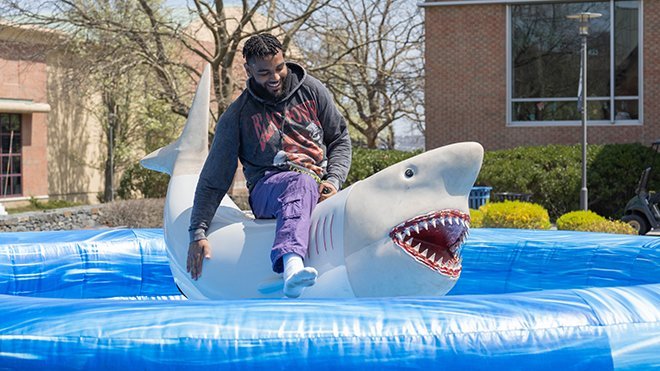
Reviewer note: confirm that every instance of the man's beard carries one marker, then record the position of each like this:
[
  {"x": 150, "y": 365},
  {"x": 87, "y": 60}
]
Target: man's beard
[{"x": 265, "y": 93}]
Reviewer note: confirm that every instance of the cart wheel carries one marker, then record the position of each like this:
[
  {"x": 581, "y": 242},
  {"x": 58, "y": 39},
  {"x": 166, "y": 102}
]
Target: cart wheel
[{"x": 639, "y": 223}]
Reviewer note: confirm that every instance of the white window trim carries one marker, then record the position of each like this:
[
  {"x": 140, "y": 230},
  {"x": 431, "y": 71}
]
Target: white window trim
[
  {"x": 22, "y": 106},
  {"x": 611, "y": 98}
]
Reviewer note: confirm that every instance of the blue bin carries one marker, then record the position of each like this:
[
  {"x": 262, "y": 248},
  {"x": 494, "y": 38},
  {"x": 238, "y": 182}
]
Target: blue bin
[{"x": 479, "y": 196}]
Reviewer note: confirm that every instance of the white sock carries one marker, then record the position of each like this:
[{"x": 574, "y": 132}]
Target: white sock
[{"x": 296, "y": 275}]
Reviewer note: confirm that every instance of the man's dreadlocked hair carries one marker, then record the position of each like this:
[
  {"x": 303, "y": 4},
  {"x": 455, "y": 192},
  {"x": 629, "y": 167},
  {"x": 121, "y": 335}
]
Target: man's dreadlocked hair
[{"x": 260, "y": 46}]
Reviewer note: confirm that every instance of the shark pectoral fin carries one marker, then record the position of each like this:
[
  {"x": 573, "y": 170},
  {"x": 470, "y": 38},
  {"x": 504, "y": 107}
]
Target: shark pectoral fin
[
  {"x": 271, "y": 285},
  {"x": 161, "y": 160}
]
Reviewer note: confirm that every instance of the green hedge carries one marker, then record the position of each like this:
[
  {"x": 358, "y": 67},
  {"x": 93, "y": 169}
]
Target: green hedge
[
  {"x": 553, "y": 175},
  {"x": 367, "y": 162},
  {"x": 138, "y": 181},
  {"x": 589, "y": 221},
  {"x": 514, "y": 214}
]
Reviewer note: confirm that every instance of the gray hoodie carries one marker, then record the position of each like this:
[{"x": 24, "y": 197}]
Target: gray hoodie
[{"x": 302, "y": 130}]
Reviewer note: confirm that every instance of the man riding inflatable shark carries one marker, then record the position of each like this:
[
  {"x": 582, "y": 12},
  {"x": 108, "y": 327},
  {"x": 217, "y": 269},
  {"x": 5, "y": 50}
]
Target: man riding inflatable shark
[{"x": 398, "y": 232}]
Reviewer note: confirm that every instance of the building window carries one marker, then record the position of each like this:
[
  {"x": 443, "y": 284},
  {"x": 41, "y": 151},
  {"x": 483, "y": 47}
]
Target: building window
[
  {"x": 10, "y": 155},
  {"x": 544, "y": 63}
]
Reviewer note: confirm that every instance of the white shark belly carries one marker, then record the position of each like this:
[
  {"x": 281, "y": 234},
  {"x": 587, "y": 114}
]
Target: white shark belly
[
  {"x": 326, "y": 249},
  {"x": 240, "y": 265}
]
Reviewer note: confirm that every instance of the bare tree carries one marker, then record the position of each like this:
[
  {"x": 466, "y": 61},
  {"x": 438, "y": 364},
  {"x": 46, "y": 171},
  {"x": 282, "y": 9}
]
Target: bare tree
[
  {"x": 370, "y": 55},
  {"x": 170, "y": 43},
  {"x": 140, "y": 47},
  {"x": 230, "y": 28}
]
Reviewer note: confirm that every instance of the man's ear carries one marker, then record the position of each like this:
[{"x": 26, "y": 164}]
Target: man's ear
[{"x": 247, "y": 70}]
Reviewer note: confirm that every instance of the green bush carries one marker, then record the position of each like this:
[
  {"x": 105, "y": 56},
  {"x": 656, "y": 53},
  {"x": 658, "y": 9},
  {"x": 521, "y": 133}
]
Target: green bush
[
  {"x": 515, "y": 214},
  {"x": 160, "y": 127},
  {"x": 575, "y": 220},
  {"x": 612, "y": 226},
  {"x": 588, "y": 221},
  {"x": 476, "y": 218},
  {"x": 366, "y": 162},
  {"x": 138, "y": 181},
  {"x": 552, "y": 174}
]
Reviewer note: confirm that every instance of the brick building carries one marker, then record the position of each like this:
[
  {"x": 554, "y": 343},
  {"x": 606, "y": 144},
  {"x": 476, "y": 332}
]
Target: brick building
[
  {"x": 50, "y": 143},
  {"x": 505, "y": 73},
  {"x": 23, "y": 115}
]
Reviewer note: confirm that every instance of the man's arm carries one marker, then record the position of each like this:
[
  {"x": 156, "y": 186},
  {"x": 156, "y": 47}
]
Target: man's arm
[
  {"x": 335, "y": 137},
  {"x": 214, "y": 181}
]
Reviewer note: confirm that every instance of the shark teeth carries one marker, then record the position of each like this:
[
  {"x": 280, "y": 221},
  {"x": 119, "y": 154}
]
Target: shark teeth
[{"x": 425, "y": 238}]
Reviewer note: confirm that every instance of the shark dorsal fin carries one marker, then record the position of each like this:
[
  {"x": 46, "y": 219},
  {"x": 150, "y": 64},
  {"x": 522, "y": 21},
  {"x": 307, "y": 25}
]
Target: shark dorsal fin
[{"x": 190, "y": 150}]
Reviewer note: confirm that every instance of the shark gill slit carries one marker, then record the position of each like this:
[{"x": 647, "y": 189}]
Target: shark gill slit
[
  {"x": 332, "y": 219},
  {"x": 316, "y": 234},
  {"x": 325, "y": 246}
]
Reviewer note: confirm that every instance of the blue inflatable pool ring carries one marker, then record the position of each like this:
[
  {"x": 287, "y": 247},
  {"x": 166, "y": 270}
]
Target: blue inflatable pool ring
[{"x": 526, "y": 300}]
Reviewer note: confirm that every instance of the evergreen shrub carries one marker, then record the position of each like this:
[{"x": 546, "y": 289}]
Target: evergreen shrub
[
  {"x": 476, "y": 218},
  {"x": 366, "y": 162},
  {"x": 553, "y": 175},
  {"x": 575, "y": 220},
  {"x": 514, "y": 214},
  {"x": 138, "y": 181},
  {"x": 588, "y": 221}
]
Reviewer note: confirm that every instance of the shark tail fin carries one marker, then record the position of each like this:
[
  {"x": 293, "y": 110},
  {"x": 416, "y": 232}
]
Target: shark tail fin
[{"x": 186, "y": 155}]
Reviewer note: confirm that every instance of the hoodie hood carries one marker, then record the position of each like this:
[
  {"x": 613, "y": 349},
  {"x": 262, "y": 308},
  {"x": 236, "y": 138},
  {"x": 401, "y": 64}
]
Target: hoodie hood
[{"x": 295, "y": 78}]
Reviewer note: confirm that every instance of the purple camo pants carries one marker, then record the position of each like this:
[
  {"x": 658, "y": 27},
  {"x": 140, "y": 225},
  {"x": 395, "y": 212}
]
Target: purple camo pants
[{"x": 289, "y": 197}]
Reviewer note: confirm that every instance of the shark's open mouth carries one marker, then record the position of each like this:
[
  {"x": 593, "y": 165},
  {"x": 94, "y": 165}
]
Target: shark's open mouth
[{"x": 435, "y": 239}]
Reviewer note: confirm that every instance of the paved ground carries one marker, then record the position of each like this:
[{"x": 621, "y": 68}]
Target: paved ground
[{"x": 654, "y": 232}]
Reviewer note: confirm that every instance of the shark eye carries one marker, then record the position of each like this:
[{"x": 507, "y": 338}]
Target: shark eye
[{"x": 409, "y": 173}]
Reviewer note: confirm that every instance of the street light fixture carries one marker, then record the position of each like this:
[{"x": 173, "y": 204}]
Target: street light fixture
[{"x": 584, "y": 18}]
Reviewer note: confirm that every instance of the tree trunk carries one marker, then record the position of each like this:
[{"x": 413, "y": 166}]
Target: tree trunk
[
  {"x": 372, "y": 140},
  {"x": 108, "y": 193},
  {"x": 109, "y": 168}
]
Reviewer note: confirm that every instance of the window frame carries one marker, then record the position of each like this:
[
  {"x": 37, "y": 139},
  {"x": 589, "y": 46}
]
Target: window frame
[
  {"x": 19, "y": 154},
  {"x": 612, "y": 98}
]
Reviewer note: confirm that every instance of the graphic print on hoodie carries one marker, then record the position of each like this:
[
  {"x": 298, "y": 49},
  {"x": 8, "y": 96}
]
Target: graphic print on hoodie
[
  {"x": 300, "y": 138},
  {"x": 292, "y": 130}
]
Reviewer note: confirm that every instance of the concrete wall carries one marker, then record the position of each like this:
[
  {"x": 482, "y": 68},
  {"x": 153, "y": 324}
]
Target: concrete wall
[{"x": 75, "y": 141}]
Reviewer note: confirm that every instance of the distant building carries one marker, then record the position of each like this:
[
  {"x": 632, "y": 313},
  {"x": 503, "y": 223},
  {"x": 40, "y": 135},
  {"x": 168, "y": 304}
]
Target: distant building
[
  {"x": 24, "y": 112},
  {"x": 50, "y": 145},
  {"x": 505, "y": 73}
]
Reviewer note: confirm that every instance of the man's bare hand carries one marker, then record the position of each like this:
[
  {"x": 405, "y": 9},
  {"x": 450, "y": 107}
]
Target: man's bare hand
[
  {"x": 326, "y": 190},
  {"x": 197, "y": 252}
]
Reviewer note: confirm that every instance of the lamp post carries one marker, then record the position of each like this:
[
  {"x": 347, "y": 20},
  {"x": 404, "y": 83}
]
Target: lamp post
[{"x": 584, "y": 18}]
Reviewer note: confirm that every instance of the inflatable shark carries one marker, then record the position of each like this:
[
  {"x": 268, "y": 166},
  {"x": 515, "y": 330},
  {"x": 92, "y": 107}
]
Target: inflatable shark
[{"x": 397, "y": 233}]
